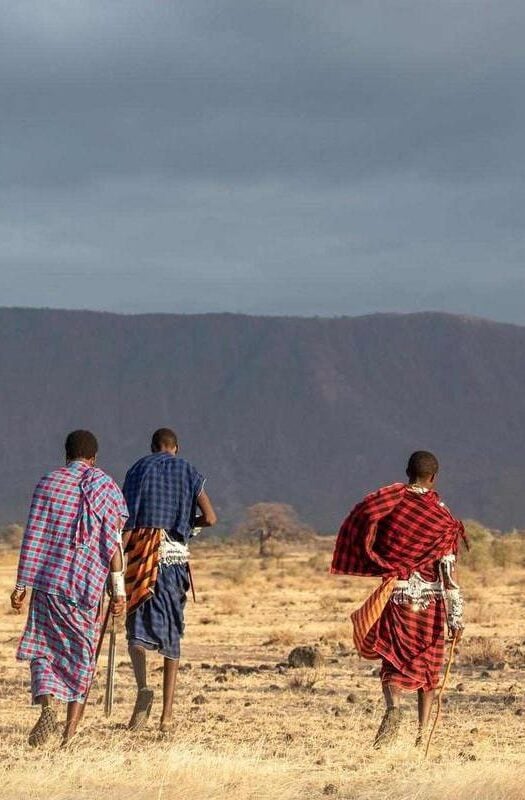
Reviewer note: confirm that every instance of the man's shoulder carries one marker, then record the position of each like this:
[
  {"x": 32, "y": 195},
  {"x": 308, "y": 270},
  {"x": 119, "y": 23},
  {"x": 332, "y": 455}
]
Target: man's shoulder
[
  {"x": 143, "y": 461},
  {"x": 385, "y": 491},
  {"x": 431, "y": 504},
  {"x": 165, "y": 462},
  {"x": 137, "y": 467},
  {"x": 184, "y": 465},
  {"x": 103, "y": 478},
  {"x": 56, "y": 476},
  {"x": 158, "y": 464}
]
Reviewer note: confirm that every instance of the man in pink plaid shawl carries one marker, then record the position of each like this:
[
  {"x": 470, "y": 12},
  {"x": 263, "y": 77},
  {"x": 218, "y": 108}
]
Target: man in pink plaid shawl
[{"x": 71, "y": 542}]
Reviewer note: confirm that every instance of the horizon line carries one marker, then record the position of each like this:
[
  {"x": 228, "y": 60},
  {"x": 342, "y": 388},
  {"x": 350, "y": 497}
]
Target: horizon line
[{"x": 467, "y": 317}]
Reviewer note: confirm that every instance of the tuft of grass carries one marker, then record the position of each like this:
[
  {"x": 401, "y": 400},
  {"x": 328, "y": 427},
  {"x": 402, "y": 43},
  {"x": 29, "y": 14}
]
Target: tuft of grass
[
  {"x": 229, "y": 603},
  {"x": 320, "y": 562},
  {"x": 304, "y": 679},
  {"x": 329, "y": 604},
  {"x": 284, "y": 637},
  {"x": 338, "y": 633}
]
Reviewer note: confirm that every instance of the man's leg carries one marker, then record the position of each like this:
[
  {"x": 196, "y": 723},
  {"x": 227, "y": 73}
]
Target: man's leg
[
  {"x": 46, "y": 723},
  {"x": 138, "y": 660},
  {"x": 392, "y": 696},
  {"x": 391, "y": 722},
  {"x": 171, "y": 667},
  {"x": 75, "y": 711},
  {"x": 144, "y": 699},
  {"x": 425, "y": 699}
]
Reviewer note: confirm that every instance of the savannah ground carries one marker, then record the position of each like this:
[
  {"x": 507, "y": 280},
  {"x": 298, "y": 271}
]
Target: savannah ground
[{"x": 248, "y": 727}]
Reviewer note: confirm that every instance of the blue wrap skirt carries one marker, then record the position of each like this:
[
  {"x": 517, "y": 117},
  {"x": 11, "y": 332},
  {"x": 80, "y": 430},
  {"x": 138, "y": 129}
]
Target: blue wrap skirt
[{"x": 158, "y": 623}]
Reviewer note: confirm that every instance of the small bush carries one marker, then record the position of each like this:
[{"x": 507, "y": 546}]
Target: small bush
[
  {"x": 240, "y": 572},
  {"x": 11, "y": 537},
  {"x": 492, "y": 550},
  {"x": 482, "y": 651},
  {"x": 320, "y": 562}
]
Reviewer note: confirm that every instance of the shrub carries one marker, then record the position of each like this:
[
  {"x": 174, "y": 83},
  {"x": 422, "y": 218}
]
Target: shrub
[
  {"x": 11, "y": 536},
  {"x": 488, "y": 549}
]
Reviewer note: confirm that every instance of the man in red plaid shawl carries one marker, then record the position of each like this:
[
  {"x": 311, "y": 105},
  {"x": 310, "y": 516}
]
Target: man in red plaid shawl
[{"x": 406, "y": 535}]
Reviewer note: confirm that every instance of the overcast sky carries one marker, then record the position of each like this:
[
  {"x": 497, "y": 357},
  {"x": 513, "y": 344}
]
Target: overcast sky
[{"x": 265, "y": 156}]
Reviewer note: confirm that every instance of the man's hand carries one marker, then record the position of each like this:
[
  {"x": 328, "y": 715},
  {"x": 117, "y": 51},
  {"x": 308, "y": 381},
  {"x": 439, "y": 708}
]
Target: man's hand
[
  {"x": 117, "y": 606},
  {"x": 17, "y": 599},
  {"x": 456, "y": 633}
]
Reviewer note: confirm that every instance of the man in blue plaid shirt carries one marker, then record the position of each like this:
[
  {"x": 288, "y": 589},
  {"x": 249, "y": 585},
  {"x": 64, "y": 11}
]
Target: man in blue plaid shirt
[{"x": 166, "y": 499}]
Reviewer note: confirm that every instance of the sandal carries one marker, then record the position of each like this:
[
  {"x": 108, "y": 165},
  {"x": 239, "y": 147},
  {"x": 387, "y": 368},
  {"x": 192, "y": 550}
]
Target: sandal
[
  {"x": 389, "y": 728},
  {"x": 45, "y": 727}
]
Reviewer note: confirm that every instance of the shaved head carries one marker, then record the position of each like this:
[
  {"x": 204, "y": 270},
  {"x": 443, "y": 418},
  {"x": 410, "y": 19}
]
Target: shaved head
[
  {"x": 164, "y": 439},
  {"x": 422, "y": 465}
]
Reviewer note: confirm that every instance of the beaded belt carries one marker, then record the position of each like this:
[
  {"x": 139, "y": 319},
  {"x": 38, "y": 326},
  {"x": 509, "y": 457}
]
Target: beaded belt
[
  {"x": 416, "y": 591},
  {"x": 171, "y": 552}
]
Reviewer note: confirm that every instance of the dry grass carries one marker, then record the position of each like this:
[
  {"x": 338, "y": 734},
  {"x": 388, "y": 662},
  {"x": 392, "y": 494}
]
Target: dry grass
[
  {"x": 158, "y": 772},
  {"x": 230, "y": 603},
  {"x": 284, "y": 637},
  {"x": 241, "y": 571},
  {"x": 265, "y": 732},
  {"x": 482, "y": 651}
]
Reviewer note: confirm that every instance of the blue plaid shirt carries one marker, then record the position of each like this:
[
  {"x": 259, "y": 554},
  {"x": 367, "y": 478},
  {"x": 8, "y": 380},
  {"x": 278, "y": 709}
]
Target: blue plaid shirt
[{"x": 161, "y": 491}]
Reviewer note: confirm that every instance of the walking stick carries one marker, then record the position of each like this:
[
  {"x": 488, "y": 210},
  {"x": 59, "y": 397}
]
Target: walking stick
[
  {"x": 110, "y": 675},
  {"x": 441, "y": 690},
  {"x": 98, "y": 650},
  {"x": 190, "y": 575}
]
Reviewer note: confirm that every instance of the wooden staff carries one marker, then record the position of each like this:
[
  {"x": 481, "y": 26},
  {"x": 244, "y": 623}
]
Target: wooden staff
[
  {"x": 441, "y": 690},
  {"x": 190, "y": 575},
  {"x": 110, "y": 674},
  {"x": 99, "y": 648}
]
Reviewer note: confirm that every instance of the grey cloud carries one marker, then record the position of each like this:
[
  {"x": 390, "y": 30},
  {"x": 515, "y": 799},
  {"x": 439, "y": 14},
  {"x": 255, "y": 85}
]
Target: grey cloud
[
  {"x": 243, "y": 89},
  {"x": 279, "y": 157}
]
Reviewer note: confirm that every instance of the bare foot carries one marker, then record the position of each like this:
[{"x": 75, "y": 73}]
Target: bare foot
[
  {"x": 70, "y": 731},
  {"x": 142, "y": 709},
  {"x": 166, "y": 725}
]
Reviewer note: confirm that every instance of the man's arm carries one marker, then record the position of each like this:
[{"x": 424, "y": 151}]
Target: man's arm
[
  {"x": 454, "y": 597},
  {"x": 207, "y": 518},
  {"x": 117, "y": 582},
  {"x": 18, "y": 595}
]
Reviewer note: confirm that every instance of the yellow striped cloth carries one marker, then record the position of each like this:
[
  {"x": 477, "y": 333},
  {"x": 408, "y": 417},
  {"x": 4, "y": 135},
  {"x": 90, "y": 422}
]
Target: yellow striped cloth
[{"x": 368, "y": 614}]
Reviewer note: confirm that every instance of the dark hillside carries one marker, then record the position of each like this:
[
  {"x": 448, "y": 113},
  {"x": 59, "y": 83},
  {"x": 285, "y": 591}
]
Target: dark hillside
[{"x": 310, "y": 412}]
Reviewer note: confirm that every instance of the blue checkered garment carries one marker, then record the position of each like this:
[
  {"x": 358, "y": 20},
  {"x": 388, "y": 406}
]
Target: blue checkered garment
[
  {"x": 158, "y": 624},
  {"x": 161, "y": 491}
]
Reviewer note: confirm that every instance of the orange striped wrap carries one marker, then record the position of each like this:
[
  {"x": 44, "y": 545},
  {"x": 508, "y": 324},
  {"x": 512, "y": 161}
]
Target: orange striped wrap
[
  {"x": 143, "y": 565},
  {"x": 368, "y": 614}
]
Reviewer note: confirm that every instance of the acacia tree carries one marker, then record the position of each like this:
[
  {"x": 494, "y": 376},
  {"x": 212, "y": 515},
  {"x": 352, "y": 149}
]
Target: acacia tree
[{"x": 269, "y": 523}]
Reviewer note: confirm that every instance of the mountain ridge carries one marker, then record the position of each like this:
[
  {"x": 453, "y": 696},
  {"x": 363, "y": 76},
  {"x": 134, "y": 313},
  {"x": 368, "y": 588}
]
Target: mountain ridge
[
  {"x": 245, "y": 315},
  {"x": 313, "y": 411}
]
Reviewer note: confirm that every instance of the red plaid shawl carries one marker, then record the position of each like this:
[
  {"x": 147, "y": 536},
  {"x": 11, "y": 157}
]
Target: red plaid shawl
[
  {"x": 394, "y": 532},
  {"x": 390, "y": 534}
]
